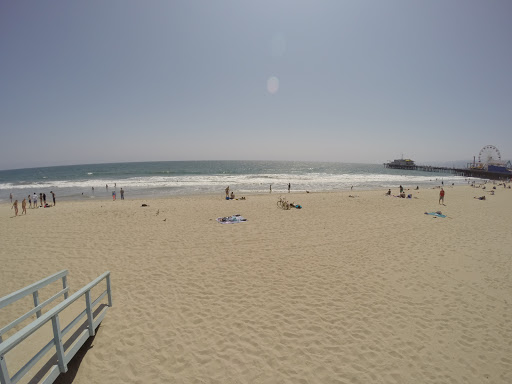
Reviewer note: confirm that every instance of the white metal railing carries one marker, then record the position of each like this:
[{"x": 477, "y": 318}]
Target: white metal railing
[
  {"x": 34, "y": 290},
  {"x": 63, "y": 357}
]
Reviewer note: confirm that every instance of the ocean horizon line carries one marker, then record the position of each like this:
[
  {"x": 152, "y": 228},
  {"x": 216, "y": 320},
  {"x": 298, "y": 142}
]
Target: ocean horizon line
[
  {"x": 182, "y": 161},
  {"x": 421, "y": 162}
]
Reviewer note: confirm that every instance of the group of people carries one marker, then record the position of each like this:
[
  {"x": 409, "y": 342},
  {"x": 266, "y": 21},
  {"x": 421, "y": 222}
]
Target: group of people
[
  {"x": 121, "y": 191},
  {"x": 114, "y": 193},
  {"x": 230, "y": 196},
  {"x": 32, "y": 202},
  {"x": 402, "y": 194}
]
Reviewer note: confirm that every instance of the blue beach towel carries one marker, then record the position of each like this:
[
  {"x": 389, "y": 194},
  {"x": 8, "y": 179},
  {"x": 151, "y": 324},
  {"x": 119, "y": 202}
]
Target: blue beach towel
[
  {"x": 231, "y": 219},
  {"x": 435, "y": 214}
]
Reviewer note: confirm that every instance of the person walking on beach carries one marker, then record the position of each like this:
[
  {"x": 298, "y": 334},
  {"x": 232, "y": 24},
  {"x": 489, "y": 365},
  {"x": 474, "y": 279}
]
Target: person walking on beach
[
  {"x": 41, "y": 199},
  {"x": 53, "y": 197},
  {"x": 270, "y": 188},
  {"x": 24, "y": 207},
  {"x": 15, "y": 206},
  {"x": 34, "y": 199},
  {"x": 113, "y": 195},
  {"x": 227, "y": 191},
  {"x": 10, "y": 196},
  {"x": 44, "y": 199},
  {"x": 122, "y": 194},
  {"x": 30, "y": 201},
  {"x": 289, "y": 186},
  {"x": 441, "y": 196}
]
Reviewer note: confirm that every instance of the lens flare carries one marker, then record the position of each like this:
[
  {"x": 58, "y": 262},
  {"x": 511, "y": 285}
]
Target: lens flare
[{"x": 272, "y": 85}]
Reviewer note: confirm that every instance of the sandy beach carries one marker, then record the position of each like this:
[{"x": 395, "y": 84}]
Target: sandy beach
[{"x": 362, "y": 289}]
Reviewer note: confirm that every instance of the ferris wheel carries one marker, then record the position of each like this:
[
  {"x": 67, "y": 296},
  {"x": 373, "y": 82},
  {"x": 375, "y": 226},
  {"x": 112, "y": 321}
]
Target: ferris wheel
[{"x": 489, "y": 155}]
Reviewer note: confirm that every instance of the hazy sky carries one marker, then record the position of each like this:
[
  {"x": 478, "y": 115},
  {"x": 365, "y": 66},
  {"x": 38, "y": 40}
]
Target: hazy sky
[{"x": 351, "y": 81}]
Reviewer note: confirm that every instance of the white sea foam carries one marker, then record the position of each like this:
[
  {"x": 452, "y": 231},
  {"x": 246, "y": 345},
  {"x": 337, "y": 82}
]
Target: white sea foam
[{"x": 366, "y": 181}]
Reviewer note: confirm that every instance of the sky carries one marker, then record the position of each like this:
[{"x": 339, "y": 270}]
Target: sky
[{"x": 363, "y": 81}]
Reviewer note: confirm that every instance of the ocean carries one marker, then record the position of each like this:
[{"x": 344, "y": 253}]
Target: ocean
[{"x": 156, "y": 179}]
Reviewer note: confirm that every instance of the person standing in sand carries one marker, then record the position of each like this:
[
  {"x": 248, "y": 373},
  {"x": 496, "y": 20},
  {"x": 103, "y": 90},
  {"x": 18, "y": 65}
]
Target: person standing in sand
[
  {"x": 289, "y": 186},
  {"x": 24, "y": 207},
  {"x": 34, "y": 199},
  {"x": 441, "y": 196},
  {"x": 53, "y": 197},
  {"x": 15, "y": 206},
  {"x": 10, "y": 196},
  {"x": 30, "y": 201},
  {"x": 122, "y": 194},
  {"x": 227, "y": 191},
  {"x": 270, "y": 188}
]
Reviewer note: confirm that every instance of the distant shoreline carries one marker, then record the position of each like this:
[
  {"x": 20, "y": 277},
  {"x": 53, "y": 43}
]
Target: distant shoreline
[
  {"x": 221, "y": 194},
  {"x": 143, "y": 180}
]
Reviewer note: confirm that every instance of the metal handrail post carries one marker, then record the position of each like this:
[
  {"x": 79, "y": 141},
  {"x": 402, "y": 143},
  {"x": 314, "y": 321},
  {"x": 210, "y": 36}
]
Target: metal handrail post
[
  {"x": 4, "y": 374},
  {"x": 88, "y": 308},
  {"x": 109, "y": 291},
  {"x": 35, "y": 294},
  {"x": 65, "y": 285},
  {"x": 57, "y": 337}
]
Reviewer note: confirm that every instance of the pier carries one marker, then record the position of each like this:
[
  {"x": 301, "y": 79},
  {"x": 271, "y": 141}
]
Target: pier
[{"x": 466, "y": 172}]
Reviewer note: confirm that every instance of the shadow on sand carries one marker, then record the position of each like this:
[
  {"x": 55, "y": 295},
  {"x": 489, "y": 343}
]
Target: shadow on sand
[{"x": 74, "y": 364}]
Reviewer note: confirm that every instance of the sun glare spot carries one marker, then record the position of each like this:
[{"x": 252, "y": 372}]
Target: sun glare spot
[{"x": 272, "y": 85}]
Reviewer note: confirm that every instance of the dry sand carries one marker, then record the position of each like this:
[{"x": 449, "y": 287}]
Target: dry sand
[{"x": 364, "y": 289}]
